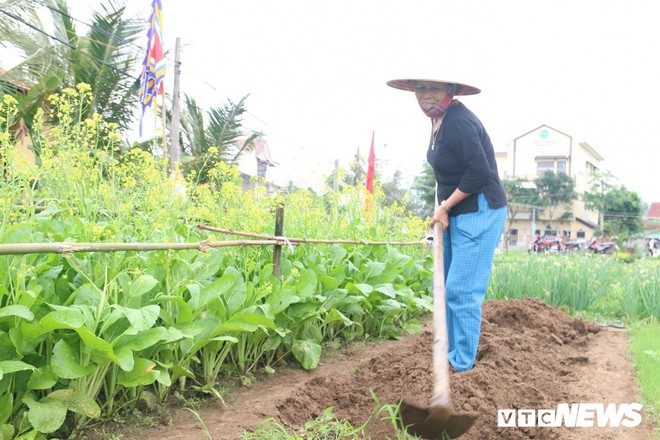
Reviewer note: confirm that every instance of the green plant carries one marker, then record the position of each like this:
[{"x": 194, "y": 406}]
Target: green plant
[
  {"x": 390, "y": 413},
  {"x": 645, "y": 347},
  {"x": 85, "y": 336},
  {"x": 324, "y": 427}
]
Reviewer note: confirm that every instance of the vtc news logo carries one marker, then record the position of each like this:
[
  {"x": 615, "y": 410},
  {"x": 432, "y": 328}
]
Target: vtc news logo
[{"x": 575, "y": 415}]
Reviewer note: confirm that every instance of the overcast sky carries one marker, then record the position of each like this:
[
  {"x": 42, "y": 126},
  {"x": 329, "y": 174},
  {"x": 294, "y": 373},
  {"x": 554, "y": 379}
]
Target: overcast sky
[{"x": 316, "y": 70}]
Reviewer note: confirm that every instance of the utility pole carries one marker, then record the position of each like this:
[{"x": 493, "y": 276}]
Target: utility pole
[
  {"x": 176, "y": 111},
  {"x": 335, "y": 185},
  {"x": 602, "y": 210}
]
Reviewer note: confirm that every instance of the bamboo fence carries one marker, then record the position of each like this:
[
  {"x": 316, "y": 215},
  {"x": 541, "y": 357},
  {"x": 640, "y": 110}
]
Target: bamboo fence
[
  {"x": 203, "y": 246},
  {"x": 292, "y": 240}
]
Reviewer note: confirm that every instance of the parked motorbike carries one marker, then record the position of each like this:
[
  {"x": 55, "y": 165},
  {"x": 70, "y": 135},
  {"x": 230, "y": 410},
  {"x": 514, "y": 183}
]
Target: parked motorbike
[
  {"x": 573, "y": 246},
  {"x": 545, "y": 244},
  {"x": 607, "y": 247}
]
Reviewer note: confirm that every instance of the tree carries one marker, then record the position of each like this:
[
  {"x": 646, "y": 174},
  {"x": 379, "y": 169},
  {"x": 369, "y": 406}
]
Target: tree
[
  {"x": 423, "y": 190},
  {"x": 354, "y": 176},
  {"x": 60, "y": 57},
  {"x": 394, "y": 193},
  {"x": 555, "y": 189},
  {"x": 521, "y": 195},
  {"x": 623, "y": 215},
  {"x": 600, "y": 184},
  {"x": 356, "y": 173},
  {"x": 620, "y": 209},
  {"x": 210, "y": 137}
]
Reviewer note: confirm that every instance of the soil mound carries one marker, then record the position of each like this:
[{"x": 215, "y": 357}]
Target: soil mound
[
  {"x": 531, "y": 355},
  {"x": 525, "y": 357}
]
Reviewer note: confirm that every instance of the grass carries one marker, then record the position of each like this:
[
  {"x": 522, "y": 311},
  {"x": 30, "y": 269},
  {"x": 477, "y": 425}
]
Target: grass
[
  {"x": 324, "y": 427},
  {"x": 645, "y": 348}
]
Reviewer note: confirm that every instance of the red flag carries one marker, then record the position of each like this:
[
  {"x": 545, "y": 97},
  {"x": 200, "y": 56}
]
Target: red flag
[{"x": 372, "y": 166}]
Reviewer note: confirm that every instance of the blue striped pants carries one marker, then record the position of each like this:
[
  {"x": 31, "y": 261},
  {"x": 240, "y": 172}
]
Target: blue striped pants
[{"x": 469, "y": 247}]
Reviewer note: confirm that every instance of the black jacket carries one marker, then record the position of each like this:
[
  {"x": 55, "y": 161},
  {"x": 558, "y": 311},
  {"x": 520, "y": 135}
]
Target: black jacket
[{"x": 462, "y": 157}]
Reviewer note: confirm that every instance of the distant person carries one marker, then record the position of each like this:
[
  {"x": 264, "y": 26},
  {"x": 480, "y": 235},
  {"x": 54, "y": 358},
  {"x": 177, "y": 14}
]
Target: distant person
[
  {"x": 471, "y": 207},
  {"x": 654, "y": 247}
]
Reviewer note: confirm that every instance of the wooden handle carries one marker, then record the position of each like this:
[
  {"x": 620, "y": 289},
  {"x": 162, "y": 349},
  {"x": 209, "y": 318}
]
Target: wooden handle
[{"x": 441, "y": 391}]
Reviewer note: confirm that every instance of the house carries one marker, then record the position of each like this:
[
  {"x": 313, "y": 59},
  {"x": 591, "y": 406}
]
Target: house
[
  {"x": 256, "y": 164},
  {"x": 651, "y": 218},
  {"x": 548, "y": 149}
]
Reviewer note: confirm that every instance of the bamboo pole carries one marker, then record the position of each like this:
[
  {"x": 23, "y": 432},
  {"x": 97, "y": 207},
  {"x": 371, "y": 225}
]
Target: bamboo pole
[
  {"x": 202, "y": 246},
  {"x": 69, "y": 248},
  {"x": 309, "y": 240},
  {"x": 163, "y": 109}
]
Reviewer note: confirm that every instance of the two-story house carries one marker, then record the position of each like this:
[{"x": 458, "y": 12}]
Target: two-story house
[{"x": 547, "y": 149}]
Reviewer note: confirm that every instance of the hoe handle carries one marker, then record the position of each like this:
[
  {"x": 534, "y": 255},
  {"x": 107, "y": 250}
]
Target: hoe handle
[{"x": 441, "y": 392}]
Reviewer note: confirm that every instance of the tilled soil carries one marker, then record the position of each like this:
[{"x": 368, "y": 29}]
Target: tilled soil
[{"x": 531, "y": 355}]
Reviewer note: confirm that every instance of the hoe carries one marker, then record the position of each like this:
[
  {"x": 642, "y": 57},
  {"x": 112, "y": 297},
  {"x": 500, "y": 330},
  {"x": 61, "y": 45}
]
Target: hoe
[{"x": 438, "y": 420}]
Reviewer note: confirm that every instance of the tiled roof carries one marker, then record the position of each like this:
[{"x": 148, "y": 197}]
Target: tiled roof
[
  {"x": 20, "y": 85},
  {"x": 654, "y": 211}
]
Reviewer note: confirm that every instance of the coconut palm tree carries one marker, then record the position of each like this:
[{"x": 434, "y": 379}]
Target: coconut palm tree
[
  {"x": 212, "y": 136},
  {"x": 55, "y": 55}
]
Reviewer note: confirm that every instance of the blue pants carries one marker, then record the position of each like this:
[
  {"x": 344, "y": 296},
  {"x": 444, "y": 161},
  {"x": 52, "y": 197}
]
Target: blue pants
[{"x": 469, "y": 247}]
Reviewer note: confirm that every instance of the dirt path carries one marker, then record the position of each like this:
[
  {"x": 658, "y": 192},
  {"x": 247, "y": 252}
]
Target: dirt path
[
  {"x": 607, "y": 376},
  {"x": 531, "y": 356}
]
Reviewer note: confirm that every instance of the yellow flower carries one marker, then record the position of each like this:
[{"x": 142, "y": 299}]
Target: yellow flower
[
  {"x": 9, "y": 100},
  {"x": 83, "y": 87},
  {"x": 97, "y": 230}
]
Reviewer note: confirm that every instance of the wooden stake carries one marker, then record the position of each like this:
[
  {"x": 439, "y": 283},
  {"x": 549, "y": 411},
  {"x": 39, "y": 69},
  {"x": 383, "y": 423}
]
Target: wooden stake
[{"x": 277, "y": 249}]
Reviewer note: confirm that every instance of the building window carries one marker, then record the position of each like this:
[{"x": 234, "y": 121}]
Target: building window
[
  {"x": 561, "y": 166},
  {"x": 545, "y": 165},
  {"x": 567, "y": 234},
  {"x": 550, "y": 232},
  {"x": 591, "y": 167},
  {"x": 513, "y": 233},
  {"x": 580, "y": 234}
]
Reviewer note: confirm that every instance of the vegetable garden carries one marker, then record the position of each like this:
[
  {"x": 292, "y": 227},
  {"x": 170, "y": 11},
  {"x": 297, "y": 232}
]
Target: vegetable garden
[{"x": 84, "y": 335}]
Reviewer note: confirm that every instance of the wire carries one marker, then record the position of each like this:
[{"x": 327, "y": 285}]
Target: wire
[
  {"x": 623, "y": 215},
  {"x": 17, "y": 18},
  {"x": 118, "y": 38},
  {"x": 102, "y": 31},
  {"x": 91, "y": 26}
]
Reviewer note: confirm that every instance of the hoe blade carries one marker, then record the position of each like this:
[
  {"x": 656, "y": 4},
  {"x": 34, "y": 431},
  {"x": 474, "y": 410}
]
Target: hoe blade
[{"x": 431, "y": 422}]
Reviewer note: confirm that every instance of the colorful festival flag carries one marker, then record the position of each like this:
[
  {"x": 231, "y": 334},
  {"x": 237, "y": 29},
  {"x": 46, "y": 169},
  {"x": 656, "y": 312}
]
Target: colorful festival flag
[
  {"x": 372, "y": 167},
  {"x": 153, "y": 66}
]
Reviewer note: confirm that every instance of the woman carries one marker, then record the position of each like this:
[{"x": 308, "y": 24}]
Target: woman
[{"x": 471, "y": 207}]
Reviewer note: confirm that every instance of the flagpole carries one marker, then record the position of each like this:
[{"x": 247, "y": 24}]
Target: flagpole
[{"x": 162, "y": 110}]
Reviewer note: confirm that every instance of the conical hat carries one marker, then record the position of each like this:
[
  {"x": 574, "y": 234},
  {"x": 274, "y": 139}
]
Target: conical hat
[{"x": 411, "y": 84}]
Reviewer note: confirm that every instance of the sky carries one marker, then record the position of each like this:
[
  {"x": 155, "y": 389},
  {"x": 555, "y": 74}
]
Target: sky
[{"x": 315, "y": 73}]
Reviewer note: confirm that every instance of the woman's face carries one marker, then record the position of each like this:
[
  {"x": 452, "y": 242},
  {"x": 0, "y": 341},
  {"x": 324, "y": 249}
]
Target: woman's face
[
  {"x": 430, "y": 97},
  {"x": 431, "y": 92}
]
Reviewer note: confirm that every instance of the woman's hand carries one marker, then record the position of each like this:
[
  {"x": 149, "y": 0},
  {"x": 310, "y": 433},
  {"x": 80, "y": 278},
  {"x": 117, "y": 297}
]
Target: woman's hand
[{"x": 441, "y": 216}]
